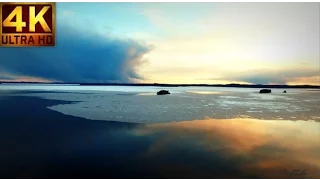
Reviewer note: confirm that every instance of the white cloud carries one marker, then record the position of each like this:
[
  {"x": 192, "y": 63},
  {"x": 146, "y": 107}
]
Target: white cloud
[{"x": 233, "y": 37}]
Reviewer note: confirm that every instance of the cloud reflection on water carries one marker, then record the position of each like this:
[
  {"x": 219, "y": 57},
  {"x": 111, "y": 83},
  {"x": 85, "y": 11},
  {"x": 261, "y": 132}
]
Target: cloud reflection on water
[{"x": 251, "y": 147}]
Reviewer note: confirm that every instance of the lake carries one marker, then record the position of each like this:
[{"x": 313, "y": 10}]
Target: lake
[{"x": 130, "y": 132}]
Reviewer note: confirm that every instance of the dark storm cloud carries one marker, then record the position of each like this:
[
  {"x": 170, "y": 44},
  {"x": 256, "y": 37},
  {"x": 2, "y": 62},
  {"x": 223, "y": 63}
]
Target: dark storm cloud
[{"x": 79, "y": 56}]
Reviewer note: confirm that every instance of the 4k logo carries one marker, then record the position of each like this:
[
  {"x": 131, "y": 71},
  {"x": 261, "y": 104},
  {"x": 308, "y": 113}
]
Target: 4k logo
[{"x": 27, "y": 24}]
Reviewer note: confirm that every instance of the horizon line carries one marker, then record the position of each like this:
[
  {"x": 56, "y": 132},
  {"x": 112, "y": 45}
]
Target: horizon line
[{"x": 157, "y": 84}]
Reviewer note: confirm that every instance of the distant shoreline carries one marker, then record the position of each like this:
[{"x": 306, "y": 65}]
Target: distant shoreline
[{"x": 174, "y": 85}]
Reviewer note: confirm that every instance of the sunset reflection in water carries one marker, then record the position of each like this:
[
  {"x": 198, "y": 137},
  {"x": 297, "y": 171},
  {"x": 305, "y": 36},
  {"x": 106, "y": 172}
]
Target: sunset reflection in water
[{"x": 236, "y": 148}]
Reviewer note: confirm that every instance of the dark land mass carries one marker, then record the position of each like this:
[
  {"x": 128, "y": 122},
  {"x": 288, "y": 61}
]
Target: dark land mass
[{"x": 176, "y": 85}]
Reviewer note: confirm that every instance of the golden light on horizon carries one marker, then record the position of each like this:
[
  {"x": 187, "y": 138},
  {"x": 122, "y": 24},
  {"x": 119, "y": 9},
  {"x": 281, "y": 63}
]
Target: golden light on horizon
[{"x": 313, "y": 80}]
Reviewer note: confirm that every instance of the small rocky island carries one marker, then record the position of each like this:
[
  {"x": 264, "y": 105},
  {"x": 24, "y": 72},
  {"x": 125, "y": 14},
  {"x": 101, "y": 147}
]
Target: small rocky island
[
  {"x": 265, "y": 91},
  {"x": 163, "y": 92}
]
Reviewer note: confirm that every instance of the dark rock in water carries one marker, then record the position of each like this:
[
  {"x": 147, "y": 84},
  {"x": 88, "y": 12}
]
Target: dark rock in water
[
  {"x": 284, "y": 91},
  {"x": 265, "y": 91},
  {"x": 163, "y": 92}
]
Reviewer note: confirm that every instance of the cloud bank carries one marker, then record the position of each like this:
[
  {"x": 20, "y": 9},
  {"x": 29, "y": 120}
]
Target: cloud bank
[
  {"x": 79, "y": 56},
  {"x": 268, "y": 76}
]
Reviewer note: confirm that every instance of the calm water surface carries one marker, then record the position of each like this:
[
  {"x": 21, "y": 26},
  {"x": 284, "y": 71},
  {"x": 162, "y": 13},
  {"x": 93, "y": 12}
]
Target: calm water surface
[{"x": 192, "y": 133}]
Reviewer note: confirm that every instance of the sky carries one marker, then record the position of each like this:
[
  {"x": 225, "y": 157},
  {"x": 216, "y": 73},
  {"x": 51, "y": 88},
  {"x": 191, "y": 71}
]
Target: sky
[{"x": 196, "y": 43}]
